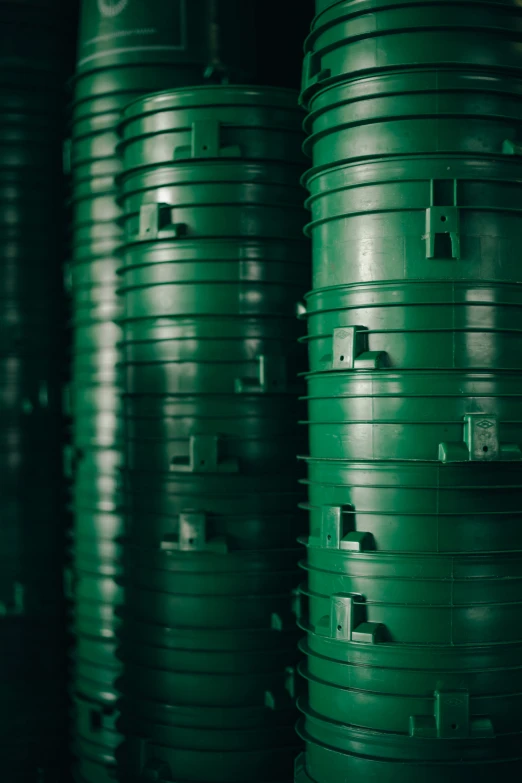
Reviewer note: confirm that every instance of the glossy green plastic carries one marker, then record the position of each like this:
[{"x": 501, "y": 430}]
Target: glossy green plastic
[
  {"x": 94, "y": 154},
  {"x": 445, "y": 624},
  {"x": 94, "y": 527},
  {"x": 96, "y": 208},
  {"x": 203, "y": 261},
  {"x": 412, "y": 671},
  {"x": 401, "y": 235},
  {"x": 405, "y": 415},
  {"x": 191, "y": 35},
  {"x": 415, "y": 326},
  {"x": 156, "y": 414},
  {"x": 333, "y": 693},
  {"x": 214, "y": 264},
  {"x": 108, "y": 91},
  {"x": 99, "y": 96},
  {"x": 351, "y": 38},
  {"x": 95, "y": 761},
  {"x": 251, "y": 454},
  {"x": 239, "y": 356},
  {"x": 468, "y": 487},
  {"x": 319, "y": 762},
  {"x": 206, "y": 123},
  {"x": 223, "y": 299},
  {"x": 471, "y": 740},
  {"x": 246, "y": 201},
  {"x": 251, "y": 511},
  {"x": 94, "y": 266},
  {"x": 393, "y": 114}
]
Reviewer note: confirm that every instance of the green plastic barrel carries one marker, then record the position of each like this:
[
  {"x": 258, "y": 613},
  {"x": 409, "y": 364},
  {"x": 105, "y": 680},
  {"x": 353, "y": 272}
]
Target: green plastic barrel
[
  {"x": 249, "y": 123},
  {"x": 193, "y": 35},
  {"x": 352, "y": 38},
  {"x": 407, "y": 415},
  {"x": 412, "y": 581},
  {"x": 214, "y": 265},
  {"x": 407, "y": 328},
  {"x": 406, "y": 201},
  {"x": 126, "y": 50}
]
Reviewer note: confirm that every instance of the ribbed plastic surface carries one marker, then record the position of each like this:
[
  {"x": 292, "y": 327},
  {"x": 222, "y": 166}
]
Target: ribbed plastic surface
[
  {"x": 214, "y": 263},
  {"x": 125, "y": 49},
  {"x": 412, "y": 592},
  {"x": 33, "y": 708}
]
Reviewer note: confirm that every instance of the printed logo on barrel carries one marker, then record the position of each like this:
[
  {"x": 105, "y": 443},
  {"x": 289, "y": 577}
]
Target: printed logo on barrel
[{"x": 112, "y": 7}]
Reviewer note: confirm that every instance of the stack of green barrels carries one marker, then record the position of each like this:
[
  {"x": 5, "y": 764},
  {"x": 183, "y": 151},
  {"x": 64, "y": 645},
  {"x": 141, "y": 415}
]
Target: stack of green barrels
[
  {"x": 126, "y": 48},
  {"x": 413, "y": 600},
  {"x": 32, "y": 642},
  {"x": 214, "y": 264}
]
